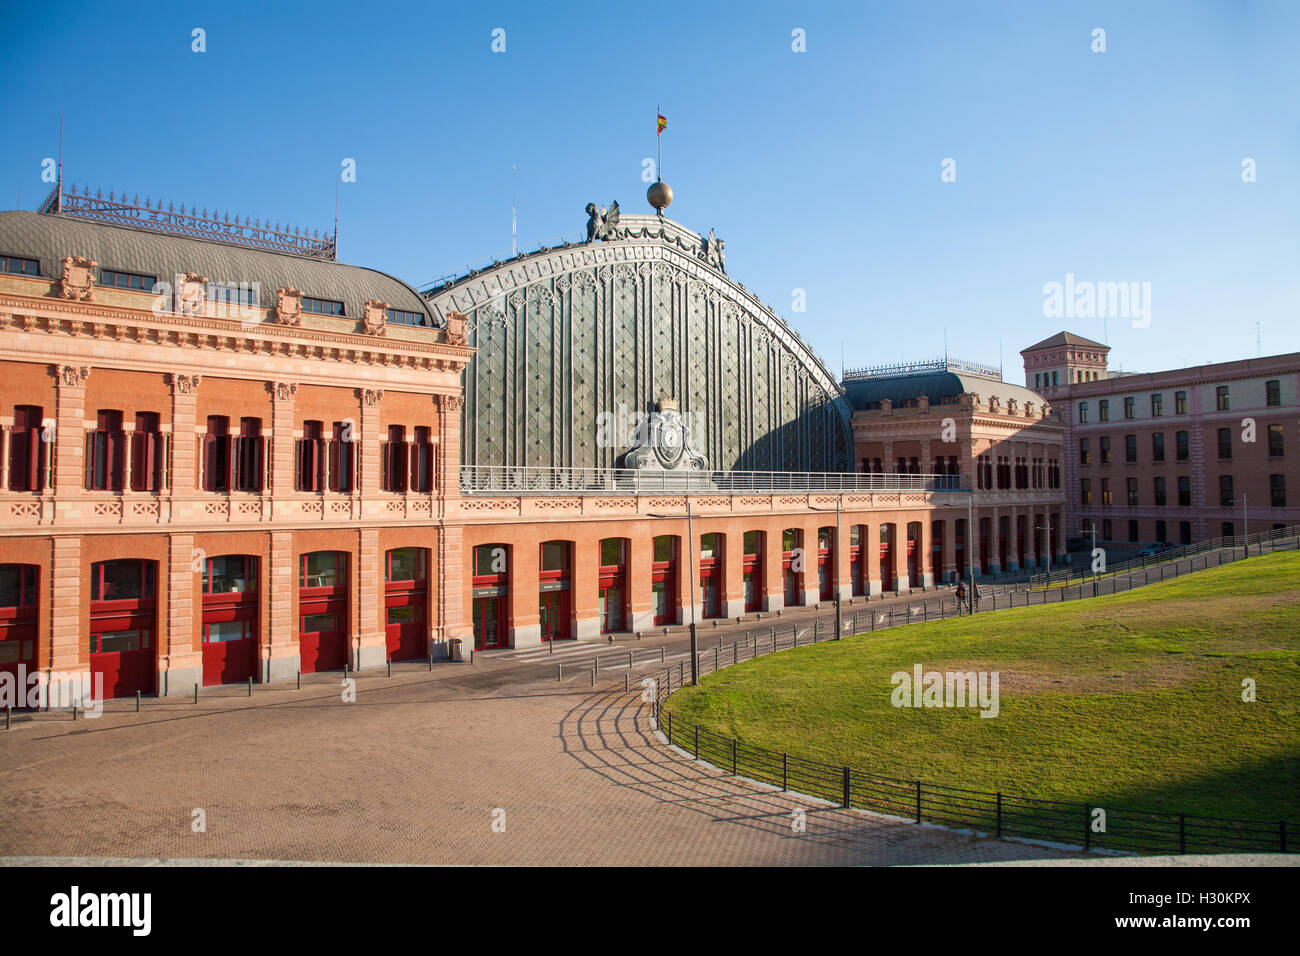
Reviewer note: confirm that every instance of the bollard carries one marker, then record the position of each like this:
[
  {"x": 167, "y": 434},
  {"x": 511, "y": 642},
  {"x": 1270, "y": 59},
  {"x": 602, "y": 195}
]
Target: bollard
[
  {"x": 390, "y": 667},
  {"x": 593, "y": 677},
  {"x": 431, "y": 659},
  {"x": 629, "y": 660},
  {"x": 137, "y": 702},
  {"x": 74, "y": 709},
  {"x": 559, "y": 671},
  {"x": 595, "y": 669},
  {"x": 250, "y": 687},
  {"x": 299, "y": 687},
  {"x": 662, "y": 654},
  {"x": 196, "y": 693},
  {"x": 471, "y": 655},
  {"x": 9, "y": 710},
  {"x": 626, "y": 685}
]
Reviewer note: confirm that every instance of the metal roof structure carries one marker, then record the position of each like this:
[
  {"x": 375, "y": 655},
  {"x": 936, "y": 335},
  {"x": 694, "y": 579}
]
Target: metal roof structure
[
  {"x": 936, "y": 381},
  {"x": 49, "y": 237},
  {"x": 573, "y": 336}
]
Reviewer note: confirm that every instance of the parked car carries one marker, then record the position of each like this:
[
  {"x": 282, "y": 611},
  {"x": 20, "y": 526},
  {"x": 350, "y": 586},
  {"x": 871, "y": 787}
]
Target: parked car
[{"x": 1152, "y": 551}]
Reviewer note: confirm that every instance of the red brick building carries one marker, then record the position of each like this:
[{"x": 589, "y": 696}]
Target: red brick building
[{"x": 1173, "y": 456}]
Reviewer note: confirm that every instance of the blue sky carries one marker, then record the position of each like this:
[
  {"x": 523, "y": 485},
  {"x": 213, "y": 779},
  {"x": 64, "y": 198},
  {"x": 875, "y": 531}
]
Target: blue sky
[{"x": 820, "y": 169}]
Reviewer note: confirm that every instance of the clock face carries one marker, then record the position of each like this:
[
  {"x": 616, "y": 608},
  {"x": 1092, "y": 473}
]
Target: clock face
[{"x": 672, "y": 437}]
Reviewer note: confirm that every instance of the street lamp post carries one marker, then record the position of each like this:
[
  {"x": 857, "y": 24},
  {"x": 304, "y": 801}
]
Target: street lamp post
[
  {"x": 1245, "y": 529},
  {"x": 1048, "y": 537},
  {"x": 690, "y": 566},
  {"x": 970, "y": 558}
]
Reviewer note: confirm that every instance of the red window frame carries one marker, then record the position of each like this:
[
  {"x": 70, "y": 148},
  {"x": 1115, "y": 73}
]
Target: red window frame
[
  {"x": 28, "y": 458},
  {"x": 613, "y": 576},
  {"x": 752, "y": 570},
  {"x": 665, "y": 573},
  {"x": 499, "y": 580},
  {"x": 560, "y": 583}
]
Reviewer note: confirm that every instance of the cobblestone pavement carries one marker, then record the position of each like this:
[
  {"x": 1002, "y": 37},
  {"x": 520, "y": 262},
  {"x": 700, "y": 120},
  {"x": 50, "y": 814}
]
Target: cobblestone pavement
[{"x": 412, "y": 773}]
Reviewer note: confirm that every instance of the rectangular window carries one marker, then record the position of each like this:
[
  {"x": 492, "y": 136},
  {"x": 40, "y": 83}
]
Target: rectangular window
[
  {"x": 1103, "y": 410},
  {"x": 1083, "y": 411},
  {"x": 1158, "y": 446},
  {"x": 1225, "y": 442},
  {"x": 422, "y": 467},
  {"x": 402, "y": 317},
  {"x": 1221, "y": 398},
  {"x": 229, "y": 574},
  {"x": 322, "y": 569},
  {"x": 106, "y": 452},
  {"x": 1132, "y": 492},
  {"x": 216, "y": 454},
  {"x": 1180, "y": 403},
  {"x": 1182, "y": 450},
  {"x": 1225, "y": 491},
  {"x": 1273, "y": 392},
  {"x": 1184, "y": 491},
  {"x": 232, "y": 293},
  {"x": 611, "y": 552},
  {"x": 146, "y": 452},
  {"x": 1129, "y": 407},
  {"x": 1132, "y": 530},
  {"x": 127, "y": 280},
  {"x": 1130, "y": 448},
  {"x": 1107, "y": 529},
  {"x": 1160, "y": 491},
  {"x": 395, "y": 463},
  {"x": 1055, "y": 379},
  {"x": 342, "y": 458},
  {"x": 1105, "y": 449},
  {"x": 310, "y": 459},
  {"x": 1157, "y": 405},
  {"x": 28, "y": 454},
  {"x": 1105, "y": 493},
  {"x": 250, "y": 455},
  {"x": 1038, "y": 376},
  {"x": 1085, "y": 491},
  {"x": 17, "y": 266},
  {"x": 1274, "y": 441},
  {"x": 1277, "y": 489},
  {"x": 322, "y": 306}
]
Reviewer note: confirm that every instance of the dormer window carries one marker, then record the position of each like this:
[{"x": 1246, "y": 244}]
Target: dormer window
[
  {"x": 402, "y": 317},
  {"x": 18, "y": 266},
  {"x": 321, "y": 306},
  {"x": 127, "y": 280}
]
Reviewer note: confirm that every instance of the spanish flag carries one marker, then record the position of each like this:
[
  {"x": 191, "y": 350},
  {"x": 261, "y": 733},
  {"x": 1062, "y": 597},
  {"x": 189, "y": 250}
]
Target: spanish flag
[{"x": 663, "y": 122}]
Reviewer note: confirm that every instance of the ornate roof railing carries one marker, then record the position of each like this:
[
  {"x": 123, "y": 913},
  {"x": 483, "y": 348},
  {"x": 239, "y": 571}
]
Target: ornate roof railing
[
  {"x": 500, "y": 480},
  {"x": 930, "y": 367},
  {"x": 117, "y": 211}
]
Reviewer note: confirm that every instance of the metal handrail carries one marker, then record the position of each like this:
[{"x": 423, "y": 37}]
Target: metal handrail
[{"x": 491, "y": 479}]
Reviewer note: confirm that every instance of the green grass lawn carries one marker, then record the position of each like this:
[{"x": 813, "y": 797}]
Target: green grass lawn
[{"x": 1126, "y": 701}]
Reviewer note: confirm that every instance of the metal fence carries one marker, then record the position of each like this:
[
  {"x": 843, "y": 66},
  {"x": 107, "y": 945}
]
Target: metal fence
[
  {"x": 494, "y": 480},
  {"x": 987, "y": 813},
  {"x": 1262, "y": 541},
  {"x": 997, "y": 814}
]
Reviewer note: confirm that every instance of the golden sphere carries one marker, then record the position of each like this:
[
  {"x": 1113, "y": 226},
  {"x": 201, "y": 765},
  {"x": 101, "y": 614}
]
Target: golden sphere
[{"x": 659, "y": 195}]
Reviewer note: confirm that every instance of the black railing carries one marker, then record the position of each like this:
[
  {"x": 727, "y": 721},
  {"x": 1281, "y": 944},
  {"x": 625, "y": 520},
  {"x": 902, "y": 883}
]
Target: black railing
[
  {"x": 1090, "y": 826},
  {"x": 1118, "y": 829},
  {"x": 1259, "y": 539}
]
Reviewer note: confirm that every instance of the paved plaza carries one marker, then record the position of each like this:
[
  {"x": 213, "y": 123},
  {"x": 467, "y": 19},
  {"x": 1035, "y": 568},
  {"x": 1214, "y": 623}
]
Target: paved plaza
[{"x": 416, "y": 771}]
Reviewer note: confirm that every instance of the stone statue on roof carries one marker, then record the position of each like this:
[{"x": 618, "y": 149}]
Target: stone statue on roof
[{"x": 602, "y": 223}]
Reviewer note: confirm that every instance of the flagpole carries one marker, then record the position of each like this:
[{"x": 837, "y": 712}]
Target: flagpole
[{"x": 659, "y": 147}]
